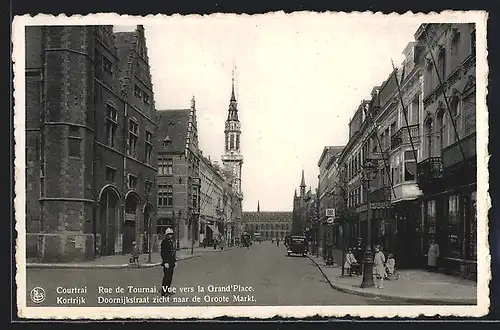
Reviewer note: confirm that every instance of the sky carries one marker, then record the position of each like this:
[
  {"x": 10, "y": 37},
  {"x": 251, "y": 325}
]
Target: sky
[{"x": 299, "y": 79}]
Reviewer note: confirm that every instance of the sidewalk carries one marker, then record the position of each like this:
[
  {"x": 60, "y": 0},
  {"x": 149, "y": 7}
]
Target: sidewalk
[
  {"x": 122, "y": 261},
  {"x": 413, "y": 286}
]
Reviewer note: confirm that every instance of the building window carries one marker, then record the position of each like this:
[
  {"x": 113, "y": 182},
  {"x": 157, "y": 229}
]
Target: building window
[
  {"x": 455, "y": 55},
  {"x": 410, "y": 166},
  {"x": 132, "y": 182},
  {"x": 74, "y": 142},
  {"x": 42, "y": 187},
  {"x": 137, "y": 91},
  {"x": 442, "y": 64},
  {"x": 148, "y": 147},
  {"x": 165, "y": 166},
  {"x": 455, "y": 115},
  {"x": 454, "y": 228},
  {"x": 469, "y": 106},
  {"x": 165, "y": 195},
  {"x": 133, "y": 138},
  {"x": 162, "y": 224},
  {"x": 238, "y": 142},
  {"x": 97, "y": 64},
  {"x": 231, "y": 143},
  {"x": 227, "y": 142},
  {"x": 74, "y": 147},
  {"x": 441, "y": 130},
  {"x": 428, "y": 136},
  {"x": 107, "y": 65},
  {"x": 111, "y": 125},
  {"x": 110, "y": 174},
  {"x": 145, "y": 98},
  {"x": 415, "y": 110}
]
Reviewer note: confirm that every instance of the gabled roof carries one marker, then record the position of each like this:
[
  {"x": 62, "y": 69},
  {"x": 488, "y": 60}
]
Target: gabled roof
[{"x": 173, "y": 125}]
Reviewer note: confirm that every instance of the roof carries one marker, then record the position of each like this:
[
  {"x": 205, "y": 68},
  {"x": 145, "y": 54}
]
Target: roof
[
  {"x": 173, "y": 126},
  {"x": 267, "y": 216}
]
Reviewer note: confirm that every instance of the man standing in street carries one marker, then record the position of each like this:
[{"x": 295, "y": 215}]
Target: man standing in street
[{"x": 168, "y": 262}]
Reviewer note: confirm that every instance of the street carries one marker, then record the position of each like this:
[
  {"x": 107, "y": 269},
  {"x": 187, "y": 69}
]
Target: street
[{"x": 261, "y": 275}]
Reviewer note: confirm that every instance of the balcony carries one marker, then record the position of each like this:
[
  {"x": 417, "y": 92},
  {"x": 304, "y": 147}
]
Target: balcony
[
  {"x": 452, "y": 155},
  {"x": 380, "y": 194},
  {"x": 377, "y": 156},
  {"x": 402, "y": 136},
  {"x": 429, "y": 170}
]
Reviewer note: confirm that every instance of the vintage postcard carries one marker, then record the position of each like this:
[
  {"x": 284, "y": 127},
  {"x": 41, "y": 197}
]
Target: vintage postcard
[{"x": 295, "y": 165}]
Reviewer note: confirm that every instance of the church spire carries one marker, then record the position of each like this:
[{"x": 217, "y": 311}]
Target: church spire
[
  {"x": 302, "y": 185},
  {"x": 258, "y": 206},
  {"x": 295, "y": 193},
  {"x": 233, "y": 97}
]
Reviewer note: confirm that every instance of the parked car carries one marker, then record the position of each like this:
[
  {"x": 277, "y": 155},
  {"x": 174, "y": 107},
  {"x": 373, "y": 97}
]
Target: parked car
[{"x": 297, "y": 245}]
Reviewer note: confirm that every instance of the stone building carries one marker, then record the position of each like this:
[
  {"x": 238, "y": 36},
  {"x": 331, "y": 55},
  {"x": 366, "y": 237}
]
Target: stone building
[
  {"x": 447, "y": 165},
  {"x": 270, "y": 225},
  {"x": 90, "y": 164},
  {"x": 178, "y": 174},
  {"x": 326, "y": 193},
  {"x": 299, "y": 208}
]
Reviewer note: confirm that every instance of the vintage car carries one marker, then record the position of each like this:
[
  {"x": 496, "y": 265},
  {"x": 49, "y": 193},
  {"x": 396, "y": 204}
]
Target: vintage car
[{"x": 297, "y": 245}]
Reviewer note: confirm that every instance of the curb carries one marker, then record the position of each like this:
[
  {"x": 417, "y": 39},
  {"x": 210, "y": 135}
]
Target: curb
[
  {"x": 405, "y": 299},
  {"x": 85, "y": 266}
]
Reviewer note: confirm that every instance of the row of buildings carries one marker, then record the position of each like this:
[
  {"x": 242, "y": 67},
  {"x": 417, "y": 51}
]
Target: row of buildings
[
  {"x": 104, "y": 167},
  {"x": 407, "y": 173}
]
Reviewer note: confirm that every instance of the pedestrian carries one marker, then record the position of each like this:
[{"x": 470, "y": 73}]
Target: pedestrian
[
  {"x": 390, "y": 266},
  {"x": 278, "y": 242},
  {"x": 350, "y": 261},
  {"x": 379, "y": 267},
  {"x": 169, "y": 261},
  {"x": 215, "y": 243},
  {"x": 432, "y": 255},
  {"x": 134, "y": 256}
]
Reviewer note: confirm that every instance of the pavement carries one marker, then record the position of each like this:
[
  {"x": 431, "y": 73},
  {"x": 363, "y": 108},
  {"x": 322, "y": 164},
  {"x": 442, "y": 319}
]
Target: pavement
[
  {"x": 262, "y": 275},
  {"x": 412, "y": 286},
  {"x": 122, "y": 261}
]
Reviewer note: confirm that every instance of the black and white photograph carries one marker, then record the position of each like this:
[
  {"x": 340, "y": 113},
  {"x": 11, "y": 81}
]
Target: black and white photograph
[{"x": 251, "y": 165}]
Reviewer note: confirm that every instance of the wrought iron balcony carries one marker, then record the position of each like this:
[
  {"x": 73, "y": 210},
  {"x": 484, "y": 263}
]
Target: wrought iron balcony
[
  {"x": 429, "y": 169},
  {"x": 403, "y": 135},
  {"x": 452, "y": 154}
]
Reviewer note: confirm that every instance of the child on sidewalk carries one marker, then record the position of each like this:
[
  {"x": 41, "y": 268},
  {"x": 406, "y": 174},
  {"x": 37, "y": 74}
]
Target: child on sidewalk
[
  {"x": 134, "y": 256},
  {"x": 379, "y": 267},
  {"x": 390, "y": 267},
  {"x": 350, "y": 261}
]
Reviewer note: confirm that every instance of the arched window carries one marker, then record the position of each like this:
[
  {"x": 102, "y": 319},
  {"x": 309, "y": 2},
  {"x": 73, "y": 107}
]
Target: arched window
[
  {"x": 455, "y": 116},
  {"x": 440, "y": 130},
  {"x": 428, "y": 136}
]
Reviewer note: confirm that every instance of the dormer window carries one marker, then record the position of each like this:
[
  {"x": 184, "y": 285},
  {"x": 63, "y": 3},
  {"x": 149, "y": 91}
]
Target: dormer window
[{"x": 167, "y": 141}]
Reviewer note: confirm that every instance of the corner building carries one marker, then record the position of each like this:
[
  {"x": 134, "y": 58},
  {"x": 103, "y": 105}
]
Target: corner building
[{"x": 90, "y": 166}]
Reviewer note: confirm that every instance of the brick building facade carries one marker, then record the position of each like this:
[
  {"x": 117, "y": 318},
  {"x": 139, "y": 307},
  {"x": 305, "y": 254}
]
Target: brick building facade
[{"x": 90, "y": 160}]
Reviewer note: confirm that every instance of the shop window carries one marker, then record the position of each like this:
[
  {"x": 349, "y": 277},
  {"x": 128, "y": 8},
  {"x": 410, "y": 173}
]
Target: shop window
[
  {"x": 472, "y": 253},
  {"x": 431, "y": 219},
  {"x": 454, "y": 228}
]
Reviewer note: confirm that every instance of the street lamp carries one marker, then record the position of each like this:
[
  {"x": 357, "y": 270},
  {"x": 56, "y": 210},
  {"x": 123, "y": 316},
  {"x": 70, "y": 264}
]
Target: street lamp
[
  {"x": 147, "y": 189},
  {"x": 368, "y": 168}
]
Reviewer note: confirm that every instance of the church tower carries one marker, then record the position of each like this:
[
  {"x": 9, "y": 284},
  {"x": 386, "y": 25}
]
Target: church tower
[{"x": 232, "y": 158}]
